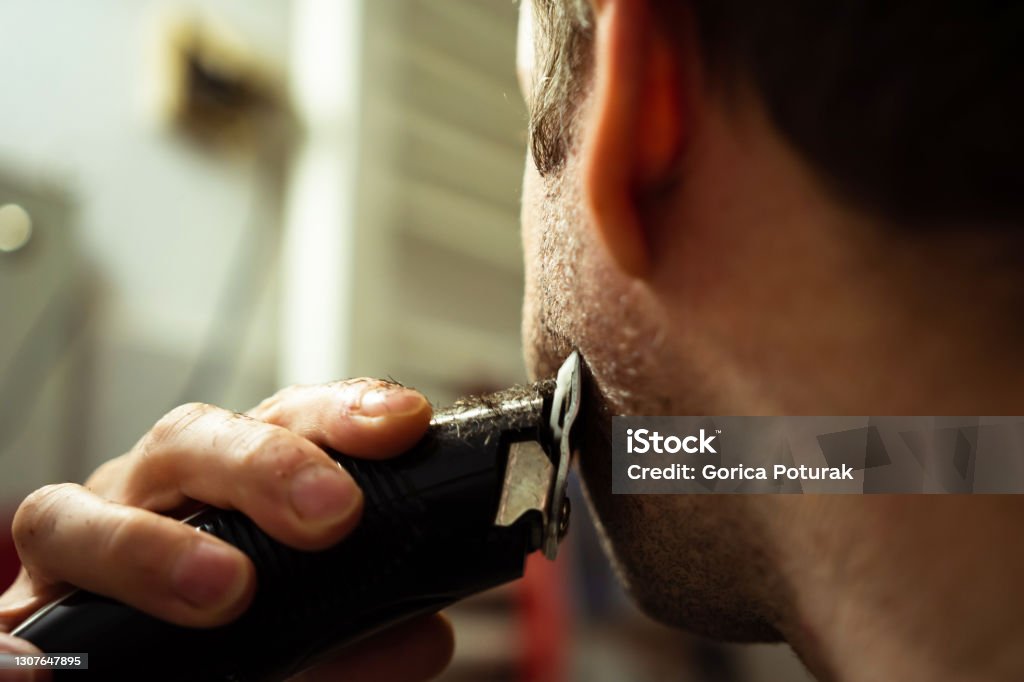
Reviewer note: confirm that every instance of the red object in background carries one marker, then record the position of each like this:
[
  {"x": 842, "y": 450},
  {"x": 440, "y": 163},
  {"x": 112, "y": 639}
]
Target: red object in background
[
  {"x": 545, "y": 619},
  {"x": 9, "y": 563}
]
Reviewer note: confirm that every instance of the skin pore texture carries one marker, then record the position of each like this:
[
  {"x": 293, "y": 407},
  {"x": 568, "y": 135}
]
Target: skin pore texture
[{"x": 761, "y": 292}]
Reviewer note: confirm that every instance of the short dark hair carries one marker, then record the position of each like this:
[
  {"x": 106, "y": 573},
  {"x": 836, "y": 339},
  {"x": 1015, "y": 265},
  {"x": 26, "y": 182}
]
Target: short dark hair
[{"x": 911, "y": 108}]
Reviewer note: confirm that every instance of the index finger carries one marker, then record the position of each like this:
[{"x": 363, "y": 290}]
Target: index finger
[{"x": 366, "y": 418}]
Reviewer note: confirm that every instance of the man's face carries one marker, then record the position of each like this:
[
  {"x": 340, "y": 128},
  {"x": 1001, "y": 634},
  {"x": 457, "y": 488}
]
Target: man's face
[
  {"x": 574, "y": 297},
  {"x": 671, "y": 552}
]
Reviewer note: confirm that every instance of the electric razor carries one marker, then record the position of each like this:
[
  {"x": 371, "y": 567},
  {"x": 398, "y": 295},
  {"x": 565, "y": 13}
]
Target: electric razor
[{"x": 455, "y": 515}]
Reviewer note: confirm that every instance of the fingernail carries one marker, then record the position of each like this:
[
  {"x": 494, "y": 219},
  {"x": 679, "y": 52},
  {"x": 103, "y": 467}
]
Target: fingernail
[
  {"x": 390, "y": 401},
  {"x": 324, "y": 494},
  {"x": 209, "y": 575}
]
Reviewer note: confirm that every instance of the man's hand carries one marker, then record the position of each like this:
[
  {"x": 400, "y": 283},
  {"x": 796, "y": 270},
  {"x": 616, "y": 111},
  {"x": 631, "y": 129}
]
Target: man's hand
[{"x": 112, "y": 536}]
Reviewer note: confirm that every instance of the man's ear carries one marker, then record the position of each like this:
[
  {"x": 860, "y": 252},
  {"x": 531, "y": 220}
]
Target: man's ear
[{"x": 633, "y": 139}]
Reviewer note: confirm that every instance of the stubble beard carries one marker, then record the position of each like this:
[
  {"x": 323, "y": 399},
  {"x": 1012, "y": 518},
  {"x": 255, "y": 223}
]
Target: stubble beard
[{"x": 666, "y": 550}]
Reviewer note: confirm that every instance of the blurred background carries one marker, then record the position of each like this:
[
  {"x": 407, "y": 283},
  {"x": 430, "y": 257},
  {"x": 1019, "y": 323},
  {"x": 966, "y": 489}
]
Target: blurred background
[{"x": 208, "y": 201}]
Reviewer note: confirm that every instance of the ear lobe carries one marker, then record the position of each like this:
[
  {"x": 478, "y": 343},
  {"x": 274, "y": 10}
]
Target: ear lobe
[{"x": 635, "y": 133}]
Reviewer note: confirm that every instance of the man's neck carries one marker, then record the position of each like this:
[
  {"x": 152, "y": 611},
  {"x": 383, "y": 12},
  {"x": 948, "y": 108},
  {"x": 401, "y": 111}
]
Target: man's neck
[{"x": 922, "y": 587}]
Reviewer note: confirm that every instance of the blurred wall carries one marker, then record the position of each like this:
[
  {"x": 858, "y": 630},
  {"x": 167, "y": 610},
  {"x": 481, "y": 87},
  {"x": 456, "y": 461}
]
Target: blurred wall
[
  {"x": 415, "y": 106},
  {"x": 157, "y": 222}
]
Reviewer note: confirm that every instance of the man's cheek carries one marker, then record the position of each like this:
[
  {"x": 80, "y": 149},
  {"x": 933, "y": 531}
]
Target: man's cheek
[
  {"x": 532, "y": 305},
  {"x": 530, "y": 215}
]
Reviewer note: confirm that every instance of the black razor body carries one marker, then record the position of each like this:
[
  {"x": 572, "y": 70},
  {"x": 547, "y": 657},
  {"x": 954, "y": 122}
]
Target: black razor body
[{"x": 427, "y": 538}]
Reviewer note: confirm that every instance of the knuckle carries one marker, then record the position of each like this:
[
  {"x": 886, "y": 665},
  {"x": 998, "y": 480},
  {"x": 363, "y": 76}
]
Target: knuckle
[
  {"x": 37, "y": 514},
  {"x": 266, "y": 446},
  {"x": 273, "y": 409},
  {"x": 267, "y": 407},
  {"x": 171, "y": 425}
]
